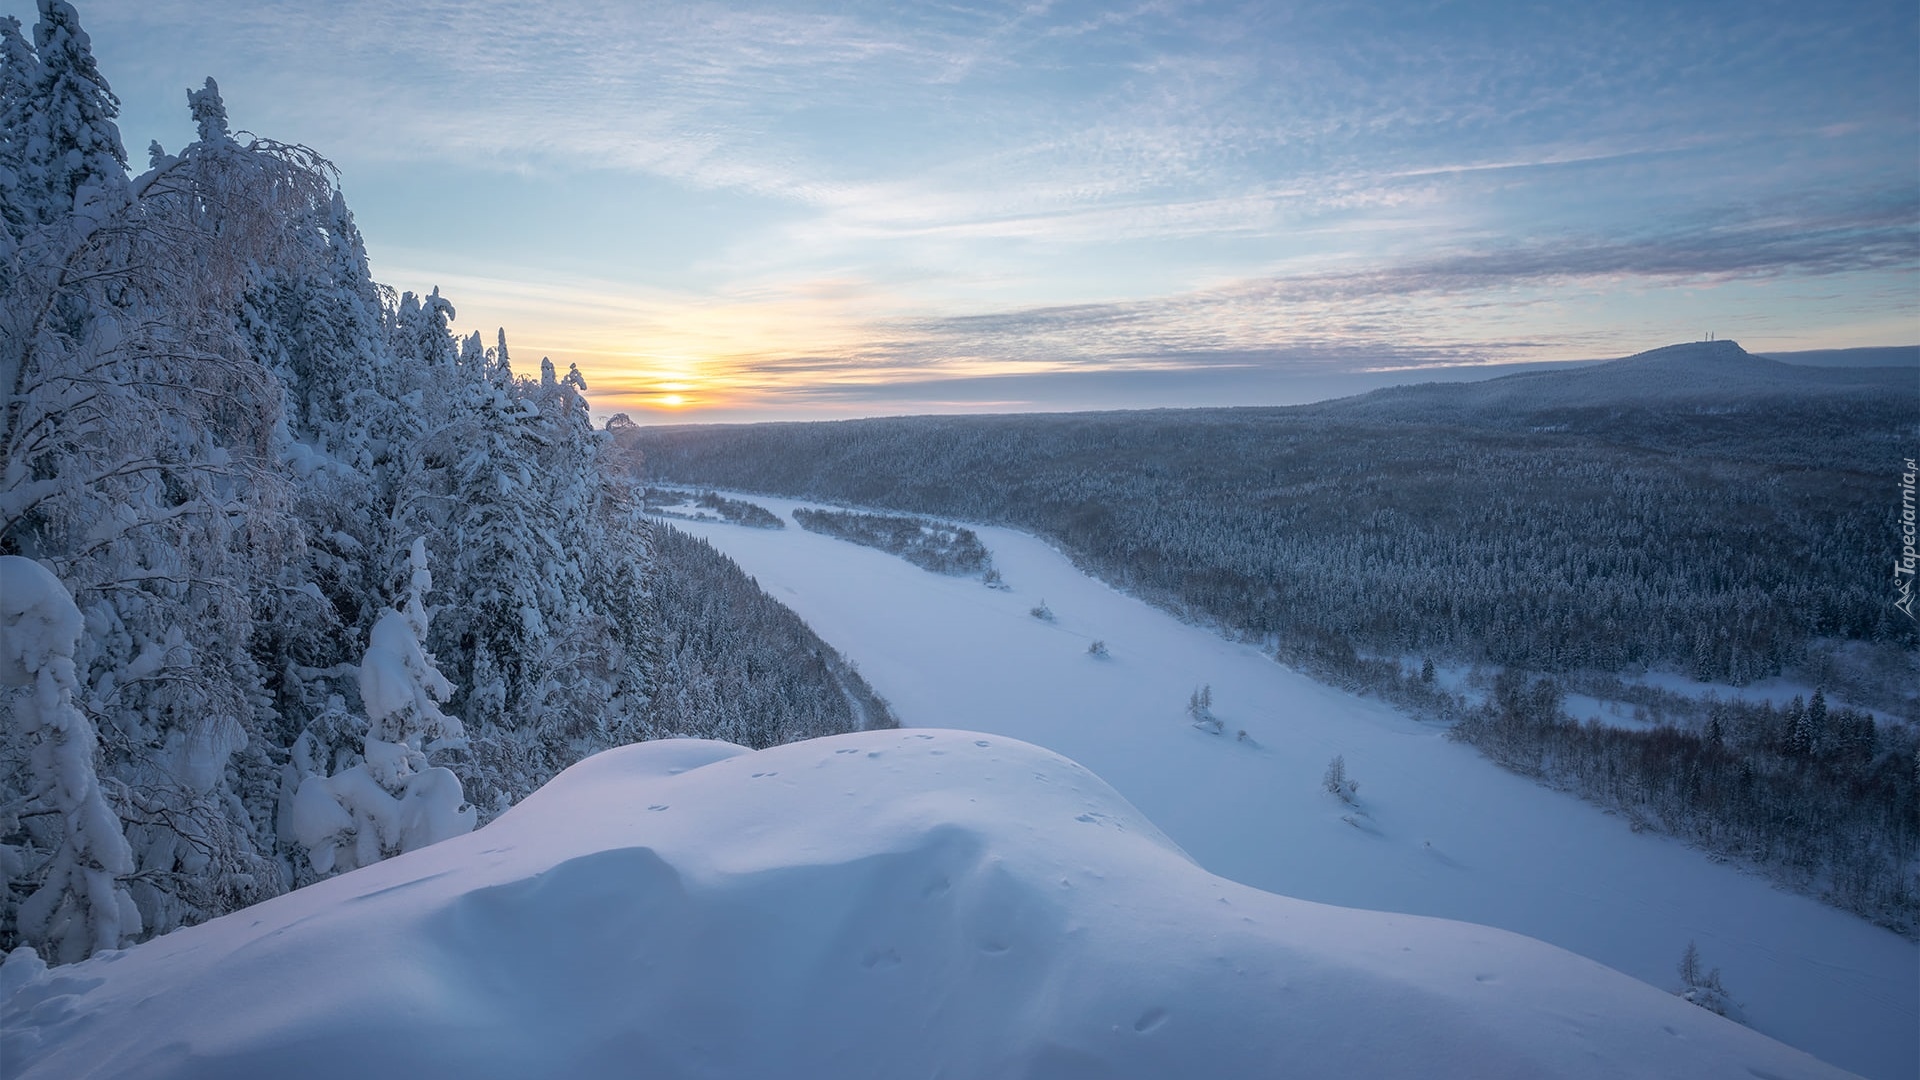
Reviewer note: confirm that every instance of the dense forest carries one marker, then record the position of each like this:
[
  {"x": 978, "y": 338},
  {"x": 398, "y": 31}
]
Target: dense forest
[
  {"x": 1694, "y": 509},
  {"x": 296, "y": 578}
]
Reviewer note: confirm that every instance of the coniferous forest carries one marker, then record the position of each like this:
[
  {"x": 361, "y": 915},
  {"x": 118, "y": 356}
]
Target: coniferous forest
[
  {"x": 1694, "y": 509},
  {"x": 329, "y": 580}
]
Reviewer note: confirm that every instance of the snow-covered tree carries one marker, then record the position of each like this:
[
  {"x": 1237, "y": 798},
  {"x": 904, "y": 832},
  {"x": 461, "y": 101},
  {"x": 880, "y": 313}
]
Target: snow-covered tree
[
  {"x": 503, "y": 534},
  {"x": 81, "y": 904},
  {"x": 75, "y": 163},
  {"x": 19, "y": 71},
  {"x": 391, "y": 800}
]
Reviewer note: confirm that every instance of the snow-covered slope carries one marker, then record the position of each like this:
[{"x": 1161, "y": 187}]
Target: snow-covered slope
[
  {"x": 886, "y": 904},
  {"x": 1439, "y": 830}
]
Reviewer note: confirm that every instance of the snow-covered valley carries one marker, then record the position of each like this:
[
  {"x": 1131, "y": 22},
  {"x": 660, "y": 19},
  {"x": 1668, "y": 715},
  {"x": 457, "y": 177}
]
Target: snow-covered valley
[
  {"x": 1437, "y": 829},
  {"x": 1073, "y": 862}
]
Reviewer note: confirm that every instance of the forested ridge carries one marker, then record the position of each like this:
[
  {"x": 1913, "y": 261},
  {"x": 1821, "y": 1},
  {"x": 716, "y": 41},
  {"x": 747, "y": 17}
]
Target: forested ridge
[
  {"x": 1694, "y": 509},
  {"x": 298, "y": 578}
]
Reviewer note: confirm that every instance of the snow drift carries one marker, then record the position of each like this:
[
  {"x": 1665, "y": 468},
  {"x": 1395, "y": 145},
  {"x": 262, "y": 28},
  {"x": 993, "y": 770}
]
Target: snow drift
[{"x": 900, "y": 903}]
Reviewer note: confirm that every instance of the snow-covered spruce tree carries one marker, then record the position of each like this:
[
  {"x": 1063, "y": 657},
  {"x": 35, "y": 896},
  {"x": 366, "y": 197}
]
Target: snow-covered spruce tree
[
  {"x": 391, "y": 800},
  {"x": 19, "y": 69},
  {"x": 503, "y": 533},
  {"x": 74, "y": 162},
  {"x": 82, "y": 904}
]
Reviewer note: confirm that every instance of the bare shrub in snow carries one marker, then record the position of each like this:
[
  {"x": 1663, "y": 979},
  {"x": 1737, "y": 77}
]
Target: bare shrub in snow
[
  {"x": 1338, "y": 782},
  {"x": 1703, "y": 987},
  {"x": 1200, "y": 708}
]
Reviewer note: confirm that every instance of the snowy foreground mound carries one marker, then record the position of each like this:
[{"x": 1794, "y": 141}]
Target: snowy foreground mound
[{"x": 887, "y": 904}]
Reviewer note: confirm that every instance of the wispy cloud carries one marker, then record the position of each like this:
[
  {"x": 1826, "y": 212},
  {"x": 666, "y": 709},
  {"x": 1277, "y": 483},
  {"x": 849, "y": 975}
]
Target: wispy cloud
[
  {"x": 1391, "y": 307},
  {"x": 977, "y": 188},
  {"x": 820, "y": 340}
]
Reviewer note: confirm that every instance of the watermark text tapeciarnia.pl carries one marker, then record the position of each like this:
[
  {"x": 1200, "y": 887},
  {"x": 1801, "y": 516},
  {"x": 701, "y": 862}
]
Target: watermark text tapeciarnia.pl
[{"x": 1903, "y": 565}]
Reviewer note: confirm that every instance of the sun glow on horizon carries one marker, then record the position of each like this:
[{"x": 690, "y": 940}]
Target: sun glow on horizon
[{"x": 827, "y": 349}]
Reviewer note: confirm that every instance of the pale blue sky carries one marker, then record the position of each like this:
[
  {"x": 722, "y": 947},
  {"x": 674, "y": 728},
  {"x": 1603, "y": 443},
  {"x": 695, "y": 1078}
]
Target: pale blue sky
[{"x": 867, "y": 208}]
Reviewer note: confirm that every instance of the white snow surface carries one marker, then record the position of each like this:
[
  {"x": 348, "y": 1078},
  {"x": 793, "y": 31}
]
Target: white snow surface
[
  {"x": 1438, "y": 830},
  {"x": 883, "y": 904}
]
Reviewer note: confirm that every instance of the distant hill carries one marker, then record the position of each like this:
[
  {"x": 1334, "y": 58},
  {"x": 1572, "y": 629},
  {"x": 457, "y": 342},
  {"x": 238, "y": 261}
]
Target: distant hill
[
  {"x": 1717, "y": 372},
  {"x": 1707, "y": 397}
]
